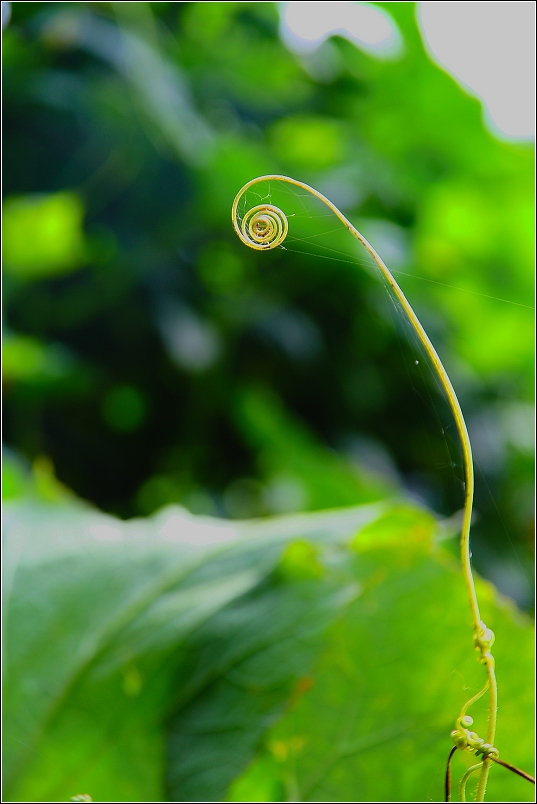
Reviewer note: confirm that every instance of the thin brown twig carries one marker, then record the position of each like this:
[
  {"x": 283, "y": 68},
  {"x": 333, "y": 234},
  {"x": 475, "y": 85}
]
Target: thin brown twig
[
  {"x": 515, "y": 770},
  {"x": 448, "y": 774}
]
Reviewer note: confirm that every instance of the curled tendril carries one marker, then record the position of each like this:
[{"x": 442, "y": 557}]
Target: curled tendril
[
  {"x": 483, "y": 642},
  {"x": 462, "y": 787},
  {"x": 263, "y": 227},
  {"x": 468, "y": 740}
]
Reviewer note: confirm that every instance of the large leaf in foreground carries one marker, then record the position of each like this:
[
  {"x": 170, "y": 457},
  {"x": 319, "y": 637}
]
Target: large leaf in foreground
[
  {"x": 370, "y": 721},
  {"x": 97, "y": 615},
  {"x": 318, "y": 657}
]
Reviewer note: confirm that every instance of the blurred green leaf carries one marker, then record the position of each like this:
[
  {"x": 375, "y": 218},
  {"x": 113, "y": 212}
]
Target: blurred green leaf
[
  {"x": 374, "y": 724},
  {"x": 288, "y": 451},
  {"x": 196, "y": 659},
  {"x": 97, "y": 612},
  {"x": 308, "y": 142},
  {"x": 15, "y": 480},
  {"x": 124, "y": 408},
  {"x": 222, "y": 267},
  {"x": 42, "y": 235},
  {"x": 28, "y": 360},
  {"x": 37, "y": 482}
]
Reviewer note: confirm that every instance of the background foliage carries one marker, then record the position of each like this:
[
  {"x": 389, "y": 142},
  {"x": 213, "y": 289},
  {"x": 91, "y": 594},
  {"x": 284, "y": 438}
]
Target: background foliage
[
  {"x": 150, "y": 359},
  {"x": 136, "y": 321}
]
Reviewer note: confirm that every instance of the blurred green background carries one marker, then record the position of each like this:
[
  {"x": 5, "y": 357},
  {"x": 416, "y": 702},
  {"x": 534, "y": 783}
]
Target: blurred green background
[{"x": 149, "y": 358}]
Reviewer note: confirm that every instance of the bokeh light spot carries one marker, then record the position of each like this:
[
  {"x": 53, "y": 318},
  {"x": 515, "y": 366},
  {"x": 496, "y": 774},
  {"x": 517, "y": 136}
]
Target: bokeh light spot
[{"x": 124, "y": 408}]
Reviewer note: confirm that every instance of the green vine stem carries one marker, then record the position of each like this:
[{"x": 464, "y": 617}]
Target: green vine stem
[{"x": 265, "y": 227}]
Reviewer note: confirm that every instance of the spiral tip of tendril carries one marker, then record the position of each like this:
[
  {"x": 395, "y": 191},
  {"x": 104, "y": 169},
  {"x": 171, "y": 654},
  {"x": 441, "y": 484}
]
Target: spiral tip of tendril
[
  {"x": 263, "y": 227},
  {"x": 470, "y": 741}
]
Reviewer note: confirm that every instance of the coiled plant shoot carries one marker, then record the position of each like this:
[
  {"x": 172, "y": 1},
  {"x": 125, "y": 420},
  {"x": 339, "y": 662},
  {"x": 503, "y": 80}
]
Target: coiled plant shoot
[{"x": 265, "y": 226}]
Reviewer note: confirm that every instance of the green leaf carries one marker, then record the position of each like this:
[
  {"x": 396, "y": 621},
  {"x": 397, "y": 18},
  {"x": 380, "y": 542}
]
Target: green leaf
[
  {"x": 187, "y": 658},
  {"x": 96, "y": 612},
  {"x": 371, "y": 718},
  {"x": 394, "y": 671},
  {"x": 288, "y": 450},
  {"x": 28, "y": 360},
  {"x": 15, "y": 481},
  {"x": 42, "y": 235}
]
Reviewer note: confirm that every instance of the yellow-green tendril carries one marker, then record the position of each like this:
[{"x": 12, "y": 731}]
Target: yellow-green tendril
[
  {"x": 462, "y": 786},
  {"x": 473, "y": 700},
  {"x": 265, "y": 227},
  {"x": 468, "y": 740}
]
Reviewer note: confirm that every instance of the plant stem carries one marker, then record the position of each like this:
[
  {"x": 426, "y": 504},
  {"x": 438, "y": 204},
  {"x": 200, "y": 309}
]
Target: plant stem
[{"x": 486, "y": 657}]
